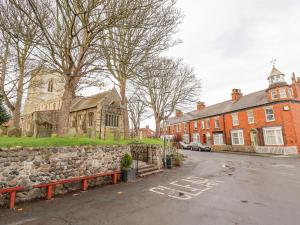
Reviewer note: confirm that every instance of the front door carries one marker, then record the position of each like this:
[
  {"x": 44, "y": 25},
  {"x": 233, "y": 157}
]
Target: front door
[{"x": 253, "y": 136}]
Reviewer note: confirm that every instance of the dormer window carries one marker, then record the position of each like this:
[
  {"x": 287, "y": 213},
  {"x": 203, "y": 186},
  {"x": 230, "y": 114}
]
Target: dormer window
[
  {"x": 290, "y": 91},
  {"x": 274, "y": 94},
  {"x": 282, "y": 93},
  {"x": 50, "y": 86}
]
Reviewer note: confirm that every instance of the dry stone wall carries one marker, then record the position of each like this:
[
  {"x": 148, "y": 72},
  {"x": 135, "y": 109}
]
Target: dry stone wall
[{"x": 29, "y": 166}]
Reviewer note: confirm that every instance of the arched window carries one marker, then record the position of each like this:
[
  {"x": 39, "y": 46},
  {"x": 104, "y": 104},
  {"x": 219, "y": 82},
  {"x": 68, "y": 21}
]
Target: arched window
[{"x": 50, "y": 86}]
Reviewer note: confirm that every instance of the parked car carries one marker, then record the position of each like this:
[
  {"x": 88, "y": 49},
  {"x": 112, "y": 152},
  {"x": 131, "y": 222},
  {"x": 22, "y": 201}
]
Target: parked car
[
  {"x": 197, "y": 146},
  {"x": 184, "y": 145}
]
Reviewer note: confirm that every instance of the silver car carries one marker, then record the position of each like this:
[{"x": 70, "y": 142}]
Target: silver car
[{"x": 197, "y": 146}]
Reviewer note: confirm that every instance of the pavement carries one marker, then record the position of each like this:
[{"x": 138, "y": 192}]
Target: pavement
[{"x": 209, "y": 189}]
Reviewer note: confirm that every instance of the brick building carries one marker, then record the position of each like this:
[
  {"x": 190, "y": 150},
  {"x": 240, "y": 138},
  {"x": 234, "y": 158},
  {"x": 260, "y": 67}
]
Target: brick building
[
  {"x": 146, "y": 132},
  {"x": 269, "y": 118}
]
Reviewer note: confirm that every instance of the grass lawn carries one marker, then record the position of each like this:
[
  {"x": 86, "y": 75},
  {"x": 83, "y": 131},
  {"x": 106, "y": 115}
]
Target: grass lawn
[{"x": 68, "y": 141}]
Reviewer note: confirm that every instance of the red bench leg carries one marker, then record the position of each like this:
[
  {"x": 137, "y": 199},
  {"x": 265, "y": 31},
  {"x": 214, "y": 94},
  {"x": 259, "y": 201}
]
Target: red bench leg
[
  {"x": 49, "y": 192},
  {"x": 12, "y": 199},
  {"x": 114, "y": 178},
  {"x": 84, "y": 186}
]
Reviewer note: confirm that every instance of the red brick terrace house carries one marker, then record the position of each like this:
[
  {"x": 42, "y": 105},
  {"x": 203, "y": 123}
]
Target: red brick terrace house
[
  {"x": 146, "y": 132},
  {"x": 266, "y": 121}
]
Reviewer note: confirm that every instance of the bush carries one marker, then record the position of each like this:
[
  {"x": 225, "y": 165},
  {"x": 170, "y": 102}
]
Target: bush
[{"x": 126, "y": 161}]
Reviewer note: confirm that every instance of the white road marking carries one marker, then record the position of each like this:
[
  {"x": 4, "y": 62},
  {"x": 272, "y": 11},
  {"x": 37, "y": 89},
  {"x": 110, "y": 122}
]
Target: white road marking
[
  {"x": 284, "y": 165},
  {"x": 185, "y": 189},
  {"x": 23, "y": 221}
]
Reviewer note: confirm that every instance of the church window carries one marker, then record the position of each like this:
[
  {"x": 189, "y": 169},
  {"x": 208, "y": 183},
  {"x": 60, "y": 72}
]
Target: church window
[
  {"x": 50, "y": 86},
  {"x": 111, "y": 120},
  {"x": 91, "y": 119}
]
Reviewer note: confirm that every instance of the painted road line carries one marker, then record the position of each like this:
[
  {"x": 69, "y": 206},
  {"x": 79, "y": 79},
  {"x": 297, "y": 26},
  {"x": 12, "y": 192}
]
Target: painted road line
[{"x": 186, "y": 188}]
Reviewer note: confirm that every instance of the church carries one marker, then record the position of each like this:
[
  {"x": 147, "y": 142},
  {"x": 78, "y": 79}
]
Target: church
[{"x": 96, "y": 116}]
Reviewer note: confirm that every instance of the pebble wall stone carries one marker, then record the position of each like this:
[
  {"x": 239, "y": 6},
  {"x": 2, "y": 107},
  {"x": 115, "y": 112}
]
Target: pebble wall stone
[{"x": 29, "y": 166}]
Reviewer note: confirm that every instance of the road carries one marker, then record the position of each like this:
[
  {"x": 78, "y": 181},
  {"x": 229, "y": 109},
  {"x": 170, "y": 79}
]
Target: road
[{"x": 209, "y": 189}]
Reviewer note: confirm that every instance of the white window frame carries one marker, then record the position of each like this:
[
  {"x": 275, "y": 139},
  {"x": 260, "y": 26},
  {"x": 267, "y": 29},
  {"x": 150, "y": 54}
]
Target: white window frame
[
  {"x": 207, "y": 121},
  {"x": 240, "y": 137},
  {"x": 282, "y": 93},
  {"x": 196, "y": 137},
  {"x": 218, "y": 139},
  {"x": 195, "y": 125},
  {"x": 268, "y": 114},
  {"x": 273, "y": 139},
  {"x": 290, "y": 91},
  {"x": 202, "y": 124},
  {"x": 186, "y": 138},
  {"x": 235, "y": 119},
  {"x": 274, "y": 94},
  {"x": 250, "y": 116},
  {"x": 185, "y": 126},
  {"x": 217, "y": 122}
]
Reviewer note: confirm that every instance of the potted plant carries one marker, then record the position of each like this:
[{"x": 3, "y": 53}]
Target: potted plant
[
  {"x": 128, "y": 173},
  {"x": 177, "y": 160}
]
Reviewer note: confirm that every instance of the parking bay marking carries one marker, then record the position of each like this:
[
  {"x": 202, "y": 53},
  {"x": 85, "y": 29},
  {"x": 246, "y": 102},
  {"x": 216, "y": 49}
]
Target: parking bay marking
[{"x": 186, "y": 188}]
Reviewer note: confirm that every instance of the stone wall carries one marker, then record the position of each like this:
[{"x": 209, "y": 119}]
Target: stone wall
[
  {"x": 279, "y": 150},
  {"x": 29, "y": 166},
  {"x": 233, "y": 148},
  {"x": 151, "y": 154}
]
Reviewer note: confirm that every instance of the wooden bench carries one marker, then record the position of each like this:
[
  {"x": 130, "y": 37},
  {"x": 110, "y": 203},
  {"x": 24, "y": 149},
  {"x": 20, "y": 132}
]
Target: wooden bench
[
  {"x": 84, "y": 182},
  {"x": 12, "y": 194}
]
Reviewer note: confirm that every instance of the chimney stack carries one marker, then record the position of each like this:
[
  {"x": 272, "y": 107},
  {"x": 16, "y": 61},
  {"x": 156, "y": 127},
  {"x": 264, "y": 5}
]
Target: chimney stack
[
  {"x": 200, "y": 106},
  {"x": 178, "y": 113},
  {"x": 236, "y": 94}
]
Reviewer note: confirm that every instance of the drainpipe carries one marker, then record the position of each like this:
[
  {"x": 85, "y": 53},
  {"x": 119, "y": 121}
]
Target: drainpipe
[{"x": 224, "y": 127}]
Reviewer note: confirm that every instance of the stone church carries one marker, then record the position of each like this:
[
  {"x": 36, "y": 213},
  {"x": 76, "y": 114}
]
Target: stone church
[{"x": 96, "y": 116}]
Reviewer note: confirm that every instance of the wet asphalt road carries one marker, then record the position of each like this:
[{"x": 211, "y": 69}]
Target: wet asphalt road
[{"x": 210, "y": 188}]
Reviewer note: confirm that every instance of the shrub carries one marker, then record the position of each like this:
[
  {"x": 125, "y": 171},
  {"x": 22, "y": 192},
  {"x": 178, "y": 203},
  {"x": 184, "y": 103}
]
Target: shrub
[{"x": 126, "y": 161}]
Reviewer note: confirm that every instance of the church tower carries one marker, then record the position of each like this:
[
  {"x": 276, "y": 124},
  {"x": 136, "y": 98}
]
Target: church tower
[
  {"x": 278, "y": 87},
  {"x": 44, "y": 91}
]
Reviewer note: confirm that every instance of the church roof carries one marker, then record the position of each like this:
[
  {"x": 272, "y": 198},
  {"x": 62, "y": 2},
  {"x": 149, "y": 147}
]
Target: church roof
[
  {"x": 81, "y": 103},
  {"x": 248, "y": 101}
]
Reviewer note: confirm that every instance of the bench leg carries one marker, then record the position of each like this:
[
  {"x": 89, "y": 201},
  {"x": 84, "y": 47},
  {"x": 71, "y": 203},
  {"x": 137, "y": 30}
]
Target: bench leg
[
  {"x": 114, "y": 178},
  {"x": 49, "y": 192},
  {"x": 12, "y": 199},
  {"x": 84, "y": 186}
]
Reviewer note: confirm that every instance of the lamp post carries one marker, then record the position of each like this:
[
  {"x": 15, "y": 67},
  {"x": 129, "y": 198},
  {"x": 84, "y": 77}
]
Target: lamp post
[
  {"x": 164, "y": 132},
  {"x": 165, "y": 154}
]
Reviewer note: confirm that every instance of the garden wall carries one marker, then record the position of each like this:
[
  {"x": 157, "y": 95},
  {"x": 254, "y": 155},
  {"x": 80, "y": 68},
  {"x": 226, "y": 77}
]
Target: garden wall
[{"x": 29, "y": 166}]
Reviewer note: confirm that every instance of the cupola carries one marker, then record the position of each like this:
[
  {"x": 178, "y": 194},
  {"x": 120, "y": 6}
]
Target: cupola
[{"x": 276, "y": 78}]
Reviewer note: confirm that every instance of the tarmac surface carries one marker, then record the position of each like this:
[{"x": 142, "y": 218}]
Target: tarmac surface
[{"x": 209, "y": 189}]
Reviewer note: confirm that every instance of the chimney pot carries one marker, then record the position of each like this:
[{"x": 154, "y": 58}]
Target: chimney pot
[
  {"x": 178, "y": 113},
  {"x": 236, "y": 94},
  {"x": 200, "y": 106}
]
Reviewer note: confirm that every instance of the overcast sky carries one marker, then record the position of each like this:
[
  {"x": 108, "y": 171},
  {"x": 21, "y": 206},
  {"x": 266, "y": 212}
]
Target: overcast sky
[{"x": 231, "y": 43}]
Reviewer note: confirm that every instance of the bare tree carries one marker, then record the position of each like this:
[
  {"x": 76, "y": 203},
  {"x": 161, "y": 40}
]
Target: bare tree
[
  {"x": 18, "y": 37},
  {"x": 148, "y": 31},
  {"x": 71, "y": 31},
  {"x": 167, "y": 84},
  {"x": 137, "y": 110}
]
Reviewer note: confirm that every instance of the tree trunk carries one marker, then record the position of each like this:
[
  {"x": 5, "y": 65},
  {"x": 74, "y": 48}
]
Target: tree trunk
[
  {"x": 63, "y": 115},
  {"x": 125, "y": 109},
  {"x": 157, "y": 127},
  {"x": 17, "y": 108}
]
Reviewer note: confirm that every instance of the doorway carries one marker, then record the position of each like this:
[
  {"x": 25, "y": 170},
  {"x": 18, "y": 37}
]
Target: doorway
[{"x": 253, "y": 137}]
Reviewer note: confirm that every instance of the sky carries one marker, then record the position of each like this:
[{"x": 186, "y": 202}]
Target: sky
[{"x": 230, "y": 44}]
